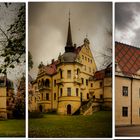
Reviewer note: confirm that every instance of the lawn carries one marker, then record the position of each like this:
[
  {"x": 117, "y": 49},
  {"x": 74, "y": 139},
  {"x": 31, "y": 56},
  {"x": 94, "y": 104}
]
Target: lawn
[
  {"x": 97, "y": 125},
  {"x": 12, "y": 128}
]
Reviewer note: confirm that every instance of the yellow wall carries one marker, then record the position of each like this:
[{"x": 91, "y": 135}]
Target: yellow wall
[
  {"x": 3, "y": 112},
  {"x": 132, "y": 100}
]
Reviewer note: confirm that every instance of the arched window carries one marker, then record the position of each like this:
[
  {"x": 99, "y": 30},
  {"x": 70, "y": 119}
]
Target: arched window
[{"x": 47, "y": 83}]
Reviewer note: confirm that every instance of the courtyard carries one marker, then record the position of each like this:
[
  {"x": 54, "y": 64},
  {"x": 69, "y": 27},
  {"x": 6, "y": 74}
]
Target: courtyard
[{"x": 97, "y": 125}]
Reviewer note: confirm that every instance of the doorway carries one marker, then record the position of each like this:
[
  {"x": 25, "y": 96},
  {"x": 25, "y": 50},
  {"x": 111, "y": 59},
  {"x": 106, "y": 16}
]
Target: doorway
[
  {"x": 40, "y": 108},
  {"x": 68, "y": 109}
]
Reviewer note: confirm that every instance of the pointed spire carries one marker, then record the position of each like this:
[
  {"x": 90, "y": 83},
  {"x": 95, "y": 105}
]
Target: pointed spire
[
  {"x": 69, "y": 45},
  {"x": 69, "y": 37}
]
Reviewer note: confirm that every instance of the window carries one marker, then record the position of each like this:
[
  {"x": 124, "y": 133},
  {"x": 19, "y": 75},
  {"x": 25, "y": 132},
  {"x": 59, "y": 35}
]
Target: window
[
  {"x": 68, "y": 91},
  {"x": 124, "y": 111},
  {"x": 87, "y": 96},
  {"x": 60, "y": 73},
  {"x": 93, "y": 96},
  {"x": 54, "y": 82},
  {"x": 101, "y": 84},
  {"x": 69, "y": 74},
  {"x": 77, "y": 71},
  {"x": 47, "y": 96},
  {"x": 85, "y": 58},
  {"x": 101, "y": 96},
  {"x": 77, "y": 91},
  {"x": 88, "y": 59},
  {"x": 47, "y": 83},
  {"x": 42, "y": 96},
  {"x": 91, "y": 84},
  {"x": 125, "y": 91},
  {"x": 82, "y": 80},
  {"x": 85, "y": 67},
  {"x": 87, "y": 82},
  {"x": 89, "y": 69},
  {"x": 54, "y": 96},
  {"x": 61, "y": 92},
  {"x": 82, "y": 57},
  {"x": 139, "y": 92}
]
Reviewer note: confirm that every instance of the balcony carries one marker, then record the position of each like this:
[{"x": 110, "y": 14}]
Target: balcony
[
  {"x": 59, "y": 81},
  {"x": 78, "y": 80},
  {"x": 43, "y": 88},
  {"x": 69, "y": 98}
]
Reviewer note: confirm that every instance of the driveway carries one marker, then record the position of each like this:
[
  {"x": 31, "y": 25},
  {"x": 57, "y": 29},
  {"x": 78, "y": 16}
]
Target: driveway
[{"x": 129, "y": 131}]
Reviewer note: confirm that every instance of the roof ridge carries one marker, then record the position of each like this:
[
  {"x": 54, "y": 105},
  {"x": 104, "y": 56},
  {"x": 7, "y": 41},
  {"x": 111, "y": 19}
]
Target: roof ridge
[{"x": 128, "y": 45}]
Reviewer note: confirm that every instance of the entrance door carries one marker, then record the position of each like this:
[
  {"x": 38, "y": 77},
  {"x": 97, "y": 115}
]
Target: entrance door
[
  {"x": 40, "y": 108},
  {"x": 68, "y": 109}
]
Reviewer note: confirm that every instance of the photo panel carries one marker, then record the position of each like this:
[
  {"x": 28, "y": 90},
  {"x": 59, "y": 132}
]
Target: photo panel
[
  {"x": 70, "y": 69},
  {"x": 127, "y": 69},
  {"x": 12, "y": 69}
]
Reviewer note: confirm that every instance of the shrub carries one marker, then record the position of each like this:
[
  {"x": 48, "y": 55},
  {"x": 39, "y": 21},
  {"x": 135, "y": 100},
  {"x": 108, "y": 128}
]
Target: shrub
[{"x": 35, "y": 115}]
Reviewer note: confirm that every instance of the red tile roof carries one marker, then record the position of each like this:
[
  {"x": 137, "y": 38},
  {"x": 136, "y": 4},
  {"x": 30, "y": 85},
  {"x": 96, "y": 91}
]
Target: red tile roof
[
  {"x": 51, "y": 68},
  {"x": 99, "y": 75},
  {"x": 128, "y": 58}
]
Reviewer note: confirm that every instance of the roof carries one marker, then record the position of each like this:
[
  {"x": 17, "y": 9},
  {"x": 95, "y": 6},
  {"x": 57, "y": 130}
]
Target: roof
[
  {"x": 128, "y": 58},
  {"x": 49, "y": 69},
  {"x": 101, "y": 74}
]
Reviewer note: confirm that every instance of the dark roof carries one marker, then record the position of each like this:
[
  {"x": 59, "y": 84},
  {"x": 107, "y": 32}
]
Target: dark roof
[
  {"x": 69, "y": 57},
  {"x": 128, "y": 58},
  {"x": 101, "y": 74}
]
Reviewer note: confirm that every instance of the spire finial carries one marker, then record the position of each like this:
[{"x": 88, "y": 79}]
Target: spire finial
[{"x": 69, "y": 14}]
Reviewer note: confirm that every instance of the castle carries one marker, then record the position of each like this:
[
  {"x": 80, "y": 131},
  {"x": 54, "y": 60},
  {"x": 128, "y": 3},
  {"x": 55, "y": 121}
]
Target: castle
[{"x": 72, "y": 83}]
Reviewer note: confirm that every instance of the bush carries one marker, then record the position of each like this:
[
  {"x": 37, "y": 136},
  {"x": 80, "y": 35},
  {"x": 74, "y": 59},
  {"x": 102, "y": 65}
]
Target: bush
[
  {"x": 52, "y": 111},
  {"x": 35, "y": 115}
]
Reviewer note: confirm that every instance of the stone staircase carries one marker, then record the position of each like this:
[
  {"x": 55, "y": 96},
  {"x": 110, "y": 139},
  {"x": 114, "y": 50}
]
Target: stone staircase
[{"x": 87, "y": 108}]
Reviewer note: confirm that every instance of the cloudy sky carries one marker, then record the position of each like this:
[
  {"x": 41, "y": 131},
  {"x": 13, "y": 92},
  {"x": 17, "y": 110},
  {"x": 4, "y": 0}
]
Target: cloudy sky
[
  {"x": 7, "y": 17},
  {"x": 127, "y": 23},
  {"x": 48, "y": 25}
]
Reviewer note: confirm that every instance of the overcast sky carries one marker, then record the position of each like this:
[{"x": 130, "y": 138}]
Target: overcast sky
[
  {"x": 127, "y": 20},
  {"x": 48, "y": 25}
]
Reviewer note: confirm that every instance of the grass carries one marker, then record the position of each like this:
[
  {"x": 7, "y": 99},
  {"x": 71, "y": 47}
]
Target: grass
[
  {"x": 97, "y": 125},
  {"x": 12, "y": 128}
]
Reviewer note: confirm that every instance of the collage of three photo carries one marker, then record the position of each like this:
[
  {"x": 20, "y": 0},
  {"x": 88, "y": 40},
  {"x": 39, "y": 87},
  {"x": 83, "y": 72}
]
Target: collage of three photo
[{"x": 70, "y": 70}]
